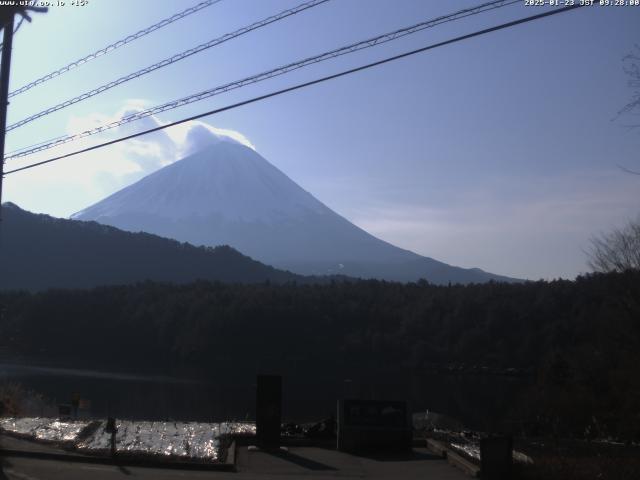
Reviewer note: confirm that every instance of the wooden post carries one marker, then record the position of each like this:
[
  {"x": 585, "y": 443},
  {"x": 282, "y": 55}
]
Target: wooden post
[{"x": 5, "y": 68}]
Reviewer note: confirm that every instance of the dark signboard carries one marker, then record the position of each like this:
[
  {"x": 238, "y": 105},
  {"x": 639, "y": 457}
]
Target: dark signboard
[
  {"x": 366, "y": 425},
  {"x": 371, "y": 413}
]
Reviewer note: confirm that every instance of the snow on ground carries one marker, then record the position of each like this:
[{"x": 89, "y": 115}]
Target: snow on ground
[
  {"x": 473, "y": 450},
  {"x": 183, "y": 440},
  {"x": 48, "y": 429}
]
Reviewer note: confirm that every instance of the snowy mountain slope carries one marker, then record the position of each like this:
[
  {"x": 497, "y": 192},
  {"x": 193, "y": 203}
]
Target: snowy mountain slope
[{"x": 228, "y": 194}]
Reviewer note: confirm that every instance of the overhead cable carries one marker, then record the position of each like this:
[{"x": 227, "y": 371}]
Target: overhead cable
[
  {"x": 115, "y": 45},
  {"x": 371, "y": 42},
  {"x": 168, "y": 61},
  {"x": 304, "y": 85}
]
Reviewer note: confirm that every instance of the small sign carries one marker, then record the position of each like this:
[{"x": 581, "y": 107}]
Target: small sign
[
  {"x": 370, "y": 413},
  {"x": 367, "y": 425}
]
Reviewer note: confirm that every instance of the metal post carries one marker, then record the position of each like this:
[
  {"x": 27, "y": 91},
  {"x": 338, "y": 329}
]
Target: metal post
[{"x": 4, "y": 93}]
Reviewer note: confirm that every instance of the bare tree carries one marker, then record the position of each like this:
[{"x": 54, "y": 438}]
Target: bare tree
[
  {"x": 616, "y": 251},
  {"x": 631, "y": 66}
]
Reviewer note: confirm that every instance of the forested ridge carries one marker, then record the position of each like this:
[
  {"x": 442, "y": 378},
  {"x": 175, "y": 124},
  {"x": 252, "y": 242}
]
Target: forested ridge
[
  {"x": 87, "y": 254},
  {"x": 579, "y": 340}
]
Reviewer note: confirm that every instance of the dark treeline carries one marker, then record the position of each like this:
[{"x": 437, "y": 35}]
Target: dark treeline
[
  {"x": 87, "y": 254},
  {"x": 579, "y": 339}
]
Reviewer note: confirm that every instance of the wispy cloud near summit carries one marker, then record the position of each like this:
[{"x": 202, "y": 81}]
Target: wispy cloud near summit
[{"x": 79, "y": 181}]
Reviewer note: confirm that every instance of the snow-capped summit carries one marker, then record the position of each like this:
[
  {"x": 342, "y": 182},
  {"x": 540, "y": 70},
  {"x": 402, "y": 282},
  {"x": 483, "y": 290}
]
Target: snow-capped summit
[
  {"x": 228, "y": 194},
  {"x": 225, "y": 179}
]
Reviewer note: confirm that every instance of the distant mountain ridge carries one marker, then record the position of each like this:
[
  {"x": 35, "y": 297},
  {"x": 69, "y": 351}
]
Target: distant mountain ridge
[
  {"x": 39, "y": 252},
  {"x": 228, "y": 194}
]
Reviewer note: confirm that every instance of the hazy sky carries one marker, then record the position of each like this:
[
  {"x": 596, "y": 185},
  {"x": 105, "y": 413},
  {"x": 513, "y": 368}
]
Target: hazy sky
[{"x": 500, "y": 152}]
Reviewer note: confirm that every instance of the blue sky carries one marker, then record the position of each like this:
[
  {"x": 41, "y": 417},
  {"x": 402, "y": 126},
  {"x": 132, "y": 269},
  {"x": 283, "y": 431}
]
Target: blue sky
[{"x": 500, "y": 152}]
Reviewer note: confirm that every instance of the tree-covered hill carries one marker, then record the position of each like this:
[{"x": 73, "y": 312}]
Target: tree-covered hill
[
  {"x": 579, "y": 340},
  {"x": 39, "y": 252}
]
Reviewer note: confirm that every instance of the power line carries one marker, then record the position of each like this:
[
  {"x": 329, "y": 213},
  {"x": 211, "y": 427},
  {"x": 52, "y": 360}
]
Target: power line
[
  {"x": 17, "y": 151},
  {"x": 371, "y": 42},
  {"x": 18, "y": 26},
  {"x": 115, "y": 45},
  {"x": 170, "y": 60},
  {"x": 305, "y": 84}
]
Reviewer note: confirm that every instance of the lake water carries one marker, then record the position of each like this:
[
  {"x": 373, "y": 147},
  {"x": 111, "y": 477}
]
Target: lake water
[{"x": 474, "y": 399}]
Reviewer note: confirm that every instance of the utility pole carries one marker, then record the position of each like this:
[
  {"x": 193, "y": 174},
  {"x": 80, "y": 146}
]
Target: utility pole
[
  {"x": 7, "y": 25},
  {"x": 5, "y": 67},
  {"x": 7, "y": 16}
]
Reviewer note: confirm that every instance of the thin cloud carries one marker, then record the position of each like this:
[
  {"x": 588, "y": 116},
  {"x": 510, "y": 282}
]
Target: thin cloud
[
  {"x": 543, "y": 231},
  {"x": 72, "y": 184}
]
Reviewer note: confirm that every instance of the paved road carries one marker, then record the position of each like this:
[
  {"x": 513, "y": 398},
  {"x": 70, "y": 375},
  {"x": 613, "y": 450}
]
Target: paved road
[
  {"x": 13, "y": 443},
  {"x": 32, "y": 469},
  {"x": 312, "y": 463},
  {"x": 302, "y": 462}
]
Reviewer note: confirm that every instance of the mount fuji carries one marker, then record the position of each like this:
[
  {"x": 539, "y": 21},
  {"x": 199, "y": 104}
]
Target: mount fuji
[{"x": 228, "y": 194}]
